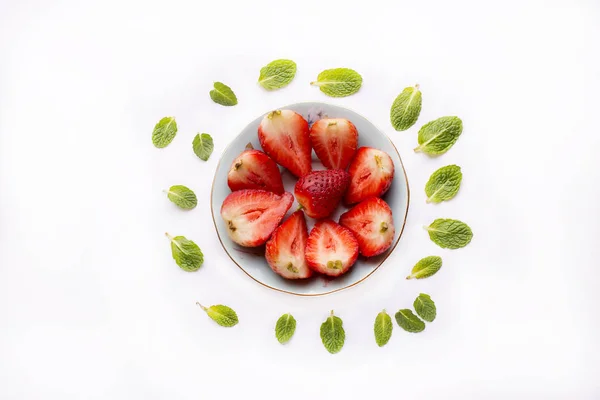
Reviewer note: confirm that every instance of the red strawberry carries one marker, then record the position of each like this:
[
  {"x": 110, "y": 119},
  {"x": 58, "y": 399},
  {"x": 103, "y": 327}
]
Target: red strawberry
[
  {"x": 320, "y": 192},
  {"x": 335, "y": 141},
  {"x": 252, "y": 215},
  {"x": 371, "y": 173},
  {"x": 331, "y": 249},
  {"x": 253, "y": 169},
  {"x": 372, "y": 224},
  {"x": 283, "y": 135},
  {"x": 285, "y": 249}
]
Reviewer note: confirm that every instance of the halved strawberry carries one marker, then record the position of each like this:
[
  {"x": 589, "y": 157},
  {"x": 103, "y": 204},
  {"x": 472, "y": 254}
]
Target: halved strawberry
[
  {"x": 371, "y": 173},
  {"x": 283, "y": 135},
  {"x": 372, "y": 223},
  {"x": 253, "y": 169},
  {"x": 335, "y": 141},
  {"x": 320, "y": 192},
  {"x": 331, "y": 249},
  {"x": 285, "y": 250},
  {"x": 252, "y": 215}
]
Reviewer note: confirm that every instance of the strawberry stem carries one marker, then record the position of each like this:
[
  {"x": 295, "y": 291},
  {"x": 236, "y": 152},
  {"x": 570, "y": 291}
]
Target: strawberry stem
[
  {"x": 273, "y": 113},
  {"x": 384, "y": 227}
]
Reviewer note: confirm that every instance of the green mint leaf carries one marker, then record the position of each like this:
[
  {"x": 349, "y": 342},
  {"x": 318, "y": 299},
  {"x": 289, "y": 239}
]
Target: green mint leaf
[
  {"x": 333, "y": 334},
  {"x": 338, "y": 82},
  {"x": 409, "y": 321},
  {"x": 406, "y": 108},
  {"x": 383, "y": 328},
  {"x": 221, "y": 314},
  {"x": 426, "y": 267},
  {"x": 285, "y": 328},
  {"x": 182, "y": 196},
  {"x": 203, "y": 146},
  {"x": 425, "y": 307},
  {"x": 223, "y": 95},
  {"x": 164, "y": 132},
  {"x": 436, "y": 137},
  {"x": 186, "y": 253},
  {"x": 443, "y": 184},
  {"x": 277, "y": 74},
  {"x": 449, "y": 233}
]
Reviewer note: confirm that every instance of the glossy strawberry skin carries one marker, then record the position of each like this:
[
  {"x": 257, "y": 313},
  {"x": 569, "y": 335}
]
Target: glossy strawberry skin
[
  {"x": 285, "y": 249},
  {"x": 331, "y": 249},
  {"x": 371, "y": 174},
  {"x": 372, "y": 224},
  {"x": 320, "y": 192},
  {"x": 253, "y": 169},
  {"x": 335, "y": 141},
  {"x": 252, "y": 215},
  {"x": 283, "y": 135}
]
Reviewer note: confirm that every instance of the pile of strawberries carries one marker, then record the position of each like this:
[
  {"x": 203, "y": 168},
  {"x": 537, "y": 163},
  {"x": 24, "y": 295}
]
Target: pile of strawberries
[{"x": 258, "y": 203}]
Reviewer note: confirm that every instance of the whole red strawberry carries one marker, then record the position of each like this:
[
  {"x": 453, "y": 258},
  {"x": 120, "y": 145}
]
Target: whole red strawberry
[
  {"x": 283, "y": 135},
  {"x": 331, "y": 249},
  {"x": 253, "y": 169},
  {"x": 372, "y": 223},
  {"x": 335, "y": 141},
  {"x": 320, "y": 192},
  {"x": 371, "y": 173},
  {"x": 285, "y": 250}
]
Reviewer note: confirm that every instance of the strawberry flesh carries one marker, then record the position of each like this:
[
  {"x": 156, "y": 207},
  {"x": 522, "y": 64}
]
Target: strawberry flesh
[
  {"x": 253, "y": 169},
  {"x": 335, "y": 141},
  {"x": 331, "y": 249},
  {"x": 372, "y": 223},
  {"x": 252, "y": 215},
  {"x": 283, "y": 135},
  {"x": 285, "y": 250},
  {"x": 320, "y": 192},
  {"x": 371, "y": 173}
]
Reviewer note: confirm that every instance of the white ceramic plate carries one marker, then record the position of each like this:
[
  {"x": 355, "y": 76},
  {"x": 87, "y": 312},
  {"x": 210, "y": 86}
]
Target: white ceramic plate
[{"x": 252, "y": 261}]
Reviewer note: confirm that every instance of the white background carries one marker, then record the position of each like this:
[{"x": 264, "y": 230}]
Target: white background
[{"x": 93, "y": 307}]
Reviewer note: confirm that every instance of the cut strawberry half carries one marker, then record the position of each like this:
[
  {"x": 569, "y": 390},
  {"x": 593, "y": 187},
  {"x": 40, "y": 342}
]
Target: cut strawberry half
[
  {"x": 335, "y": 141},
  {"x": 283, "y": 135},
  {"x": 371, "y": 173},
  {"x": 320, "y": 192},
  {"x": 285, "y": 250},
  {"x": 253, "y": 169},
  {"x": 372, "y": 223},
  {"x": 252, "y": 215},
  {"x": 331, "y": 249}
]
